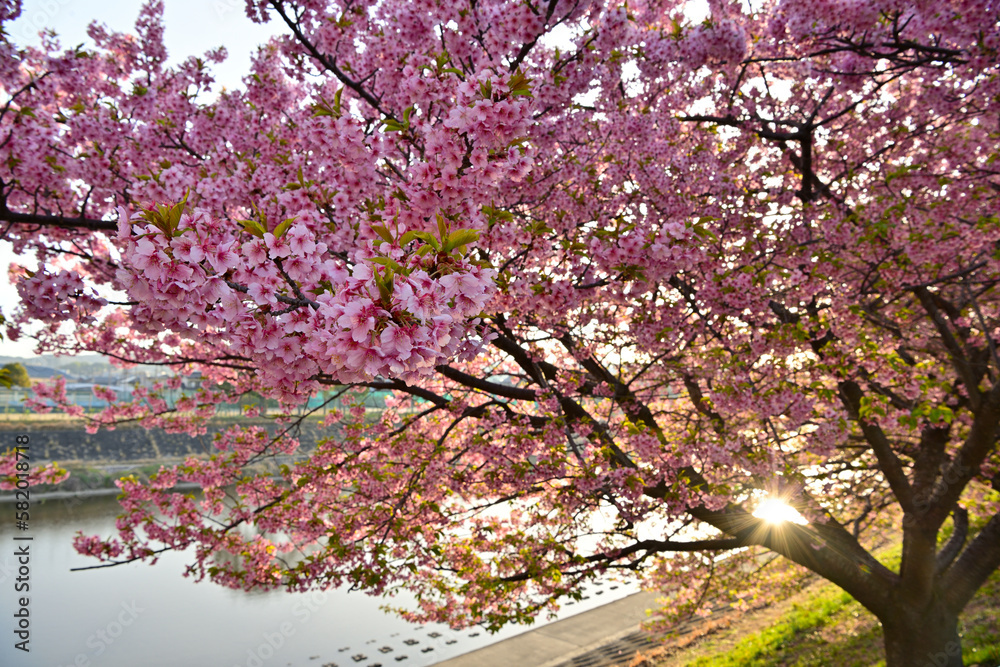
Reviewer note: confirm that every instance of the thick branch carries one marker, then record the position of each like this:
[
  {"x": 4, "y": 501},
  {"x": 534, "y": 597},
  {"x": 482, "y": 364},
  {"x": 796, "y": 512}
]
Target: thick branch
[
  {"x": 720, "y": 544},
  {"x": 982, "y": 440},
  {"x": 980, "y": 560},
  {"x": 958, "y": 358},
  {"x": 955, "y": 543},
  {"x": 527, "y": 46},
  {"x": 495, "y": 388},
  {"x": 327, "y": 62},
  {"x": 827, "y": 551},
  {"x": 892, "y": 468},
  {"x": 732, "y": 121},
  {"x": 60, "y": 221},
  {"x": 650, "y": 547},
  {"x": 698, "y": 400}
]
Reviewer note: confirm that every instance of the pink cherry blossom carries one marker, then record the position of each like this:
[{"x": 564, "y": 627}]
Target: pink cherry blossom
[{"x": 619, "y": 275}]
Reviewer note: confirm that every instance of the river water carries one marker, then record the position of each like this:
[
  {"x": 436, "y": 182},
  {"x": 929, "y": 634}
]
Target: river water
[{"x": 138, "y": 615}]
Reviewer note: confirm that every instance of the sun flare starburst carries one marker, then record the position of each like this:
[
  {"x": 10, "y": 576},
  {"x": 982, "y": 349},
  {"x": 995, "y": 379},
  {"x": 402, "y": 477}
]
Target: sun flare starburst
[{"x": 777, "y": 511}]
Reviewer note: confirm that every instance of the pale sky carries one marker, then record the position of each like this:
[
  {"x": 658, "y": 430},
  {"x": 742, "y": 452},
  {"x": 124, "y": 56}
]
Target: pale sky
[{"x": 192, "y": 28}]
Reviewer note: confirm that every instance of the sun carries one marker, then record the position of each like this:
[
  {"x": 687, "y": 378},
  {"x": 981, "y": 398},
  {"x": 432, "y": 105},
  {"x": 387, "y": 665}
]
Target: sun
[{"x": 777, "y": 511}]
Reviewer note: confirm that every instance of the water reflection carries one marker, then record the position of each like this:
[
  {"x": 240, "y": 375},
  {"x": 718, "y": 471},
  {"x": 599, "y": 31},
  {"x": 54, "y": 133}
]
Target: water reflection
[{"x": 138, "y": 615}]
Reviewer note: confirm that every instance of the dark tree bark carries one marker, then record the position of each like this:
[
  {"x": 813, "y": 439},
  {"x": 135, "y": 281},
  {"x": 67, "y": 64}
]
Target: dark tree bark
[{"x": 925, "y": 637}]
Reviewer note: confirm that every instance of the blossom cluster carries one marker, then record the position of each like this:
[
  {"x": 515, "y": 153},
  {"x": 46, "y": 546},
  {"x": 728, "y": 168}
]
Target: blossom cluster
[
  {"x": 279, "y": 298},
  {"x": 58, "y": 296}
]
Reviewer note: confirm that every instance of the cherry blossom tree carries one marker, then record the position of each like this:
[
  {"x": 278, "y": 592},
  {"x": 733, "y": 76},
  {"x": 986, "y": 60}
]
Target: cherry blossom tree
[{"x": 626, "y": 271}]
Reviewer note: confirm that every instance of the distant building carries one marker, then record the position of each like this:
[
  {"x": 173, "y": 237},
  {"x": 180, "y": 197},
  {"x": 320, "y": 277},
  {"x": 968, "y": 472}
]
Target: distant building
[{"x": 46, "y": 372}]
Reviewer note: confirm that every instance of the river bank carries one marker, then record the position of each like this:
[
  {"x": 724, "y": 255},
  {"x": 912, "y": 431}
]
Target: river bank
[{"x": 97, "y": 460}]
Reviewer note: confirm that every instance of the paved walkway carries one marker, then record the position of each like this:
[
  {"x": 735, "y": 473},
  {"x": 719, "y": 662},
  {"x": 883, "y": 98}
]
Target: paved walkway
[{"x": 562, "y": 641}]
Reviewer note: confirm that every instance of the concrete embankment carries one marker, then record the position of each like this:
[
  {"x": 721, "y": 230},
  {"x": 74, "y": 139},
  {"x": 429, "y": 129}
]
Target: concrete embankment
[{"x": 601, "y": 636}]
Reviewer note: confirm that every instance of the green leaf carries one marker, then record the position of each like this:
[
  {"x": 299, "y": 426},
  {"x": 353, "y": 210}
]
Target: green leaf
[
  {"x": 174, "y": 214},
  {"x": 496, "y": 213},
  {"x": 253, "y": 228},
  {"x": 384, "y": 285},
  {"x": 324, "y": 108},
  {"x": 382, "y": 231},
  {"x": 519, "y": 85},
  {"x": 704, "y": 232},
  {"x": 392, "y": 125},
  {"x": 389, "y": 263},
  {"x": 540, "y": 228},
  {"x": 336, "y": 101},
  {"x": 423, "y": 236},
  {"x": 281, "y": 229},
  {"x": 460, "y": 237}
]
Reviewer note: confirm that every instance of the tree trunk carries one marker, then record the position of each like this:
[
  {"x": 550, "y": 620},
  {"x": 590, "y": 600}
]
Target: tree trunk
[{"x": 927, "y": 638}]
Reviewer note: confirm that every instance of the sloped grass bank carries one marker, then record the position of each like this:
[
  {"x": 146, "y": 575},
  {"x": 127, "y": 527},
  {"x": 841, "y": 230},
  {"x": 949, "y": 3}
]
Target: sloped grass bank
[{"x": 825, "y": 626}]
